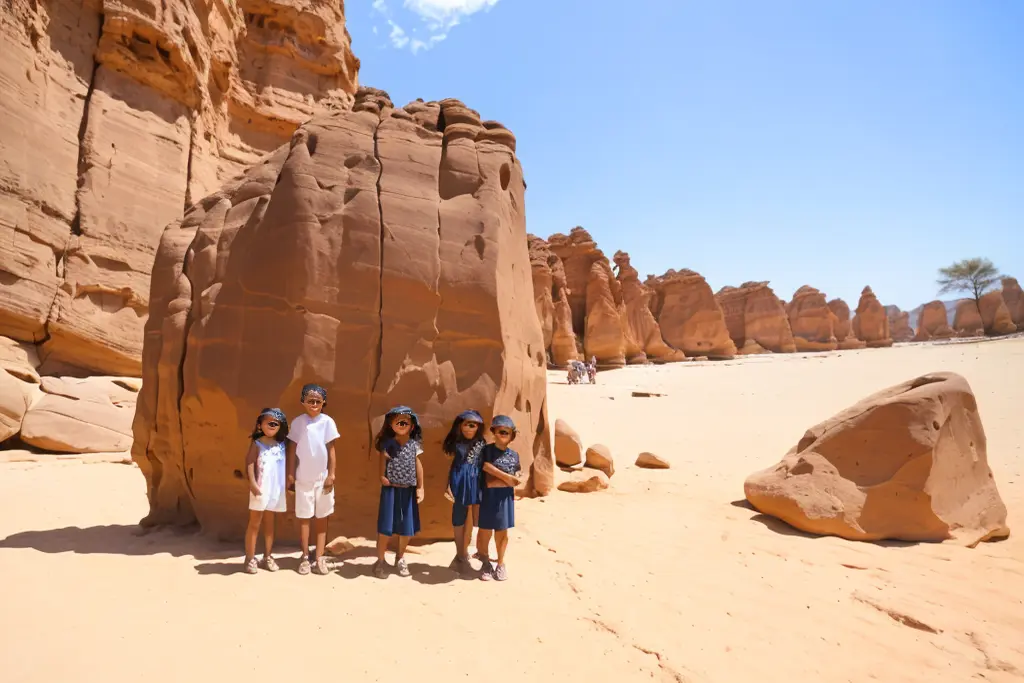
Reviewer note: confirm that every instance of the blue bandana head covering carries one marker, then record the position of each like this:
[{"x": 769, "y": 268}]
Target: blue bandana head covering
[
  {"x": 313, "y": 389},
  {"x": 401, "y": 410},
  {"x": 503, "y": 421},
  {"x": 471, "y": 416}
]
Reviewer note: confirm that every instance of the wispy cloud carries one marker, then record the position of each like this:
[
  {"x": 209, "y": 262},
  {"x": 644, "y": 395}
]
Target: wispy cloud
[{"x": 439, "y": 17}]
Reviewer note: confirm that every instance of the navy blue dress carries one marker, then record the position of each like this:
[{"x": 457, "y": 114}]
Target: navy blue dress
[
  {"x": 498, "y": 504},
  {"x": 464, "y": 478},
  {"x": 399, "y": 513}
]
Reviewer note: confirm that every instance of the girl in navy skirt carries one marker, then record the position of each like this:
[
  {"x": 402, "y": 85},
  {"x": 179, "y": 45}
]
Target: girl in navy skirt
[
  {"x": 497, "y": 505},
  {"x": 401, "y": 478},
  {"x": 463, "y": 445}
]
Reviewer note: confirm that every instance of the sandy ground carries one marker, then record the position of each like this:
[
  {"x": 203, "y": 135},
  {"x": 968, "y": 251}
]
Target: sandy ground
[{"x": 666, "y": 576}]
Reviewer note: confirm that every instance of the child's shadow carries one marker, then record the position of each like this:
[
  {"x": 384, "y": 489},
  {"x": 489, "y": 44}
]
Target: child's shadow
[{"x": 432, "y": 574}]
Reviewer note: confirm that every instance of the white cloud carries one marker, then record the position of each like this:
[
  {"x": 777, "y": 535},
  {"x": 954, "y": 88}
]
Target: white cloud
[
  {"x": 397, "y": 35},
  {"x": 439, "y": 16}
]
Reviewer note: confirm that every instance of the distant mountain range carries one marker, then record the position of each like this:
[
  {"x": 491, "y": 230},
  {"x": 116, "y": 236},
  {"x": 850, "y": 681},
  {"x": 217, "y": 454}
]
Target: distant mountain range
[{"x": 915, "y": 314}]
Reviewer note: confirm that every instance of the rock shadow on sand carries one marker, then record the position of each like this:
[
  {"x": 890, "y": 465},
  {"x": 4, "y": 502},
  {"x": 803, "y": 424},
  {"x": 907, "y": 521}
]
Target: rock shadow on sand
[
  {"x": 784, "y": 529},
  {"x": 121, "y": 539}
]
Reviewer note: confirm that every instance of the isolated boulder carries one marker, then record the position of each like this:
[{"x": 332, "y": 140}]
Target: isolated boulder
[
  {"x": 568, "y": 446},
  {"x": 907, "y": 463},
  {"x": 933, "y": 323},
  {"x": 585, "y": 481},
  {"x": 599, "y": 457},
  {"x": 382, "y": 254},
  {"x": 651, "y": 461},
  {"x": 812, "y": 321}
]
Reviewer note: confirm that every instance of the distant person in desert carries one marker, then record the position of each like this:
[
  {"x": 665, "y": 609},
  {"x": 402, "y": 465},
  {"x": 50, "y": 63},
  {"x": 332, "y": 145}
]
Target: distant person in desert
[
  {"x": 502, "y": 474},
  {"x": 311, "y": 467},
  {"x": 463, "y": 445},
  {"x": 265, "y": 471},
  {"x": 399, "y": 444}
]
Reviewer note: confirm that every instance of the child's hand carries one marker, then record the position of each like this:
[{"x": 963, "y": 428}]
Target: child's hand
[
  {"x": 420, "y": 493},
  {"x": 384, "y": 481},
  {"x": 255, "y": 490},
  {"x": 328, "y": 484}
]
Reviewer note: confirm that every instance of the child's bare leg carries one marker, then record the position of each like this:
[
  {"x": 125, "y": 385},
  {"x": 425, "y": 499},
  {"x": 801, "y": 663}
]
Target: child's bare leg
[
  {"x": 459, "y": 534},
  {"x": 403, "y": 541},
  {"x": 501, "y": 541},
  {"x": 483, "y": 541},
  {"x": 252, "y": 530},
  {"x": 304, "y": 536},
  {"x": 382, "y": 546},
  {"x": 268, "y": 534},
  {"x": 471, "y": 519},
  {"x": 321, "y": 535}
]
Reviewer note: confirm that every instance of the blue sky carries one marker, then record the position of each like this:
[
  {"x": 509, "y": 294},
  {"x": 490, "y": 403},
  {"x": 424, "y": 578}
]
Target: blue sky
[{"x": 836, "y": 144}]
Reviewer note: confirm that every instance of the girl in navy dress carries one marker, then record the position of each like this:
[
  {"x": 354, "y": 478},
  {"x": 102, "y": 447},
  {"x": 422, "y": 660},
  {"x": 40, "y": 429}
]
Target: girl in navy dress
[
  {"x": 497, "y": 505},
  {"x": 463, "y": 445},
  {"x": 401, "y": 492}
]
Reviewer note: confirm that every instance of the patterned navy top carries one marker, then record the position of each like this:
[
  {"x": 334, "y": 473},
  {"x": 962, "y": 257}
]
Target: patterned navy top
[
  {"x": 505, "y": 460},
  {"x": 400, "y": 468}
]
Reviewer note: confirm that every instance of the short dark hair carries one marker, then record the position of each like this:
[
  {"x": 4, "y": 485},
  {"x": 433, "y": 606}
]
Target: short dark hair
[{"x": 313, "y": 389}]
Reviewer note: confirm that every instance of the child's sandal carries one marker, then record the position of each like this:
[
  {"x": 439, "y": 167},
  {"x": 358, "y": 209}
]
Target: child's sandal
[
  {"x": 303, "y": 566},
  {"x": 500, "y": 574},
  {"x": 251, "y": 567},
  {"x": 322, "y": 567},
  {"x": 486, "y": 572},
  {"x": 402, "y": 567},
  {"x": 379, "y": 571},
  {"x": 270, "y": 563}
]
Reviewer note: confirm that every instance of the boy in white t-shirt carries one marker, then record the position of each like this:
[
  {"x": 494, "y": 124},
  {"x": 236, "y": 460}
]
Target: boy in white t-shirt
[{"x": 311, "y": 462}]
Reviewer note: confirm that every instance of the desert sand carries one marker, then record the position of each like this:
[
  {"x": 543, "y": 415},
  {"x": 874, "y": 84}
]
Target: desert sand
[{"x": 667, "y": 575}]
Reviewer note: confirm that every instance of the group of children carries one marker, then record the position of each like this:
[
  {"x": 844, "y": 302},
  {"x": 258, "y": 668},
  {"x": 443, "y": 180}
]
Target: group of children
[{"x": 481, "y": 480}]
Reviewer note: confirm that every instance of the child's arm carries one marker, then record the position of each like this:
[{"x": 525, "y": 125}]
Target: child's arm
[
  {"x": 420, "y": 492},
  {"x": 383, "y": 464},
  {"x": 508, "y": 479},
  {"x": 291, "y": 462},
  {"x": 251, "y": 460},
  {"x": 331, "y": 464}
]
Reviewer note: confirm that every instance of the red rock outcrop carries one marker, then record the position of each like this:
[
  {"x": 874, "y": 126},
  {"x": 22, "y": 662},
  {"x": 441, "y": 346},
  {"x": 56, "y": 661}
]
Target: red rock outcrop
[
  {"x": 899, "y": 324},
  {"x": 113, "y": 117},
  {"x": 754, "y": 314},
  {"x": 1014, "y": 298},
  {"x": 812, "y": 321},
  {"x": 604, "y": 336},
  {"x": 690, "y": 318},
  {"x": 382, "y": 254},
  {"x": 933, "y": 323},
  {"x": 996, "y": 315},
  {"x": 842, "y": 327},
  {"x": 578, "y": 252},
  {"x": 552, "y": 302},
  {"x": 871, "y": 323},
  {"x": 907, "y": 463},
  {"x": 967, "y": 320},
  {"x": 636, "y": 312},
  {"x": 543, "y": 284}
]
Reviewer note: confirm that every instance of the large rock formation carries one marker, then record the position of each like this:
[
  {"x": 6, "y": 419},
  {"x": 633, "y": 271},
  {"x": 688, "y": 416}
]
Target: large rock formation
[
  {"x": 899, "y": 324},
  {"x": 907, "y": 463},
  {"x": 812, "y": 321},
  {"x": 636, "y": 312},
  {"x": 967, "y": 320},
  {"x": 114, "y": 116},
  {"x": 1014, "y": 298},
  {"x": 551, "y": 300},
  {"x": 871, "y": 323},
  {"x": 578, "y": 252},
  {"x": 842, "y": 326},
  {"x": 383, "y": 254},
  {"x": 932, "y": 323},
  {"x": 754, "y": 314},
  {"x": 995, "y": 315},
  {"x": 690, "y": 318}
]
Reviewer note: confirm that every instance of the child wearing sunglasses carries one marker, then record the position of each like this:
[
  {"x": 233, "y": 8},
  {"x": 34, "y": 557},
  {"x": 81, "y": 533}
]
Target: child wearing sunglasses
[
  {"x": 265, "y": 471},
  {"x": 497, "y": 505},
  {"x": 464, "y": 444},
  {"x": 311, "y": 466},
  {"x": 399, "y": 443}
]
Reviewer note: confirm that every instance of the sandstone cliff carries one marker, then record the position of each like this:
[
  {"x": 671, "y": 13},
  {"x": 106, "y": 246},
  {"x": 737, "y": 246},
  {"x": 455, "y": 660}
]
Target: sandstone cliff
[
  {"x": 899, "y": 324},
  {"x": 843, "y": 327},
  {"x": 114, "y": 117},
  {"x": 690, "y": 318},
  {"x": 754, "y": 314},
  {"x": 637, "y": 316},
  {"x": 933, "y": 323},
  {"x": 871, "y": 323},
  {"x": 812, "y": 320}
]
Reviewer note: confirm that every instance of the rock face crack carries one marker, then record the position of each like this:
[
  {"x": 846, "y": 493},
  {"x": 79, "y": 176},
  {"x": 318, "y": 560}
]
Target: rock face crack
[{"x": 375, "y": 367}]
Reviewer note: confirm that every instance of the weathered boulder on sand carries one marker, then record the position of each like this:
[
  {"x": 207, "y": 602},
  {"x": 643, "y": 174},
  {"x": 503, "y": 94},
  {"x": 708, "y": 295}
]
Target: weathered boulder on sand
[
  {"x": 568, "y": 445},
  {"x": 382, "y": 254},
  {"x": 995, "y": 314},
  {"x": 1014, "y": 298},
  {"x": 871, "y": 323},
  {"x": 933, "y": 322},
  {"x": 585, "y": 481},
  {"x": 907, "y": 463},
  {"x": 812, "y": 321},
  {"x": 753, "y": 313}
]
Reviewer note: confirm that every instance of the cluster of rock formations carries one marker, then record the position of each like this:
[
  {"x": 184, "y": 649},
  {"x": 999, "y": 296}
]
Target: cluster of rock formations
[
  {"x": 908, "y": 463},
  {"x": 589, "y": 305}
]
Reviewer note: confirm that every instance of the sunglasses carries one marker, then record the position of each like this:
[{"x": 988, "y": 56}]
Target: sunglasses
[
  {"x": 402, "y": 423},
  {"x": 313, "y": 401},
  {"x": 503, "y": 432},
  {"x": 273, "y": 424}
]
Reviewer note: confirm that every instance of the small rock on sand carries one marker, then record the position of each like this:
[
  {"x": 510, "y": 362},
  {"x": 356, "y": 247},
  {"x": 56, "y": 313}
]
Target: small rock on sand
[
  {"x": 585, "y": 481},
  {"x": 652, "y": 461}
]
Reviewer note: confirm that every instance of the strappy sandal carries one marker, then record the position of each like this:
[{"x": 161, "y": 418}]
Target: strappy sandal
[
  {"x": 303, "y": 566},
  {"x": 402, "y": 567},
  {"x": 379, "y": 571},
  {"x": 486, "y": 572},
  {"x": 251, "y": 567},
  {"x": 270, "y": 563},
  {"x": 322, "y": 567},
  {"x": 501, "y": 574}
]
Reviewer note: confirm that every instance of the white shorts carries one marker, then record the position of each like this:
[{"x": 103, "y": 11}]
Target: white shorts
[
  {"x": 269, "y": 501},
  {"x": 311, "y": 501}
]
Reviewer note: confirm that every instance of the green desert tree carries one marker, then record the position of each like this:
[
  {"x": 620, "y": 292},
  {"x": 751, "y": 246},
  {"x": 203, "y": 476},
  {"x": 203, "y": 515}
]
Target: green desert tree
[{"x": 974, "y": 276}]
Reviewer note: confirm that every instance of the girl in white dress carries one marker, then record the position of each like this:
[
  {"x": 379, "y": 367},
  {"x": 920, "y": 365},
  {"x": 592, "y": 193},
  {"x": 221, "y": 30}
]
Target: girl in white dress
[{"x": 265, "y": 471}]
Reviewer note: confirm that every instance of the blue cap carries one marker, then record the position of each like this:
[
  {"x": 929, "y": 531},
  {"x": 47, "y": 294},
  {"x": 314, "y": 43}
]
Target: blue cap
[
  {"x": 503, "y": 421},
  {"x": 313, "y": 389},
  {"x": 275, "y": 413},
  {"x": 470, "y": 416},
  {"x": 402, "y": 410}
]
